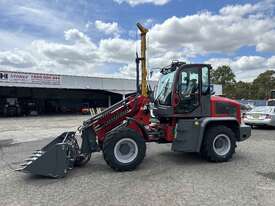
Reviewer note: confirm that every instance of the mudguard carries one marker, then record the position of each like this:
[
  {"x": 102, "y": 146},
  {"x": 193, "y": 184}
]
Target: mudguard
[{"x": 190, "y": 132}]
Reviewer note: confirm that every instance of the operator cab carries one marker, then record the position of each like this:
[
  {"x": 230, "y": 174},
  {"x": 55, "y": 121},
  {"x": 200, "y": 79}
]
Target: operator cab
[{"x": 183, "y": 91}]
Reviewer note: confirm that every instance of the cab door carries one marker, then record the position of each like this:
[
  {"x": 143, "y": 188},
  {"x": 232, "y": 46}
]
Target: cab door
[{"x": 192, "y": 91}]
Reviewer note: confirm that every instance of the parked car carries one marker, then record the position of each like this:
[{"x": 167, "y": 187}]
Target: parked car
[
  {"x": 261, "y": 116},
  {"x": 246, "y": 108}
]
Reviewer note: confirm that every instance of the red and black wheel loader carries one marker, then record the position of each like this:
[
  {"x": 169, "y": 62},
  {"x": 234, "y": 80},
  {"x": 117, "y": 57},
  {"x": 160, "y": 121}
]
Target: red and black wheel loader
[{"x": 184, "y": 114}]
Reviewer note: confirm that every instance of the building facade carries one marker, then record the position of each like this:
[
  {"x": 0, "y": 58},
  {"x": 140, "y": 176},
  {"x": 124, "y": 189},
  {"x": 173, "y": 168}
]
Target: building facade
[{"x": 33, "y": 93}]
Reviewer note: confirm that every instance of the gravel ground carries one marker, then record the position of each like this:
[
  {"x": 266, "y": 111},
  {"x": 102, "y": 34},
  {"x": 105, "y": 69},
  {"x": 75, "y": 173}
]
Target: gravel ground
[{"x": 164, "y": 177}]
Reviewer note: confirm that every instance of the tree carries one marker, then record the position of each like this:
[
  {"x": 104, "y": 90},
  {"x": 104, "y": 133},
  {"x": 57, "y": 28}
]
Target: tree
[
  {"x": 263, "y": 84},
  {"x": 243, "y": 90},
  {"x": 224, "y": 75},
  {"x": 260, "y": 88}
]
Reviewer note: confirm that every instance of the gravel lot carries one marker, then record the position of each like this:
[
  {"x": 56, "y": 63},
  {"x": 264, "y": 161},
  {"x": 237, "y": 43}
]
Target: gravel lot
[{"x": 164, "y": 178}]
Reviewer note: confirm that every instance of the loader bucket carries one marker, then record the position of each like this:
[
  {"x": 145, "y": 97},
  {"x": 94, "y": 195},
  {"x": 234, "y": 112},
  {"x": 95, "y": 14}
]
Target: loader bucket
[{"x": 53, "y": 160}]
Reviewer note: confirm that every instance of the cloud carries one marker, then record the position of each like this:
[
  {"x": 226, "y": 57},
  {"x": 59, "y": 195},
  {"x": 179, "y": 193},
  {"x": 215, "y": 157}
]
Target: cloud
[
  {"x": 67, "y": 55},
  {"x": 36, "y": 14},
  {"x": 154, "y": 64},
  {"x": 16, "y": 58},
  {"x": 271, "y": 62},
  {"x": 137, "y": 2},
  {"x": 78, "y": 37},
  {"x": 246, "y": 68},
  {"x": 11, "y": 40},
  {"x": 238, "y": 10},
  {"x": 79, "y": 55},
  {"x": 176, "y": 38},
  {"x": 232, "y": 28},
  {"x": 117, "y": 50},
  {"x": 107, "y": 28}
]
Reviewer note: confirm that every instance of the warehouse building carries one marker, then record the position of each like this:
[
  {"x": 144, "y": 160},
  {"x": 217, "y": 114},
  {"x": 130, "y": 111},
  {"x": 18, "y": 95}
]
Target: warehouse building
[{"x": 33, "y": 93}]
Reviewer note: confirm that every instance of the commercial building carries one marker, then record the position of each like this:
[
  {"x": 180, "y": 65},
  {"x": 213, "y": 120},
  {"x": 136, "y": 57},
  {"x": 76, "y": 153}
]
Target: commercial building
[{"x": 33, "y": 93}]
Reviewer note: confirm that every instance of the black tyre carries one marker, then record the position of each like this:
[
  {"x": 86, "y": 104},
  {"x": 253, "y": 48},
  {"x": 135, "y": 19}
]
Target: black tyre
[
  {"x": 124, "y": 149},
  {"x": 219, "y": 144}
]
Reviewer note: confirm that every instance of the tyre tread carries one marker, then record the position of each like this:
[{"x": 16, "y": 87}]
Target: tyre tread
[
  {"x": 110, "y": 140},
  {"x": 211, "y": 133}
]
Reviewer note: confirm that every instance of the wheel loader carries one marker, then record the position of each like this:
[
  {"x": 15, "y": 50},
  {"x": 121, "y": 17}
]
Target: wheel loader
[{"x": 184, "y": 114}]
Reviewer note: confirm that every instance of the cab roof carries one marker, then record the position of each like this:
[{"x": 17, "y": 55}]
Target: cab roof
[{"x": 175, "y": 65}]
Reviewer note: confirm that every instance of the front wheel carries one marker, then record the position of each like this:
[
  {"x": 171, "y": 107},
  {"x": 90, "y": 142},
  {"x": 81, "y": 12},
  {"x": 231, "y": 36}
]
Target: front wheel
[
  {"x": 124, "y": 149},
  {"x": 219, "y": 144}
]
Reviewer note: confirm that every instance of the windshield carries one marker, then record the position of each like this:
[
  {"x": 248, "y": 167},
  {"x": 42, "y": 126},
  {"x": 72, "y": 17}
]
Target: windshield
[
  {"x": 262, "y": 109},
  {"x": 164, "y": 89}
]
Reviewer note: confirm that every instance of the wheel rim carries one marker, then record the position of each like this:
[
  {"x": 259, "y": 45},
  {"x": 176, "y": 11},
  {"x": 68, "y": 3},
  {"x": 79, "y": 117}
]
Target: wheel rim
[
  {"x": 126, "y": 150},
  {"x": 221, "y": 144}
]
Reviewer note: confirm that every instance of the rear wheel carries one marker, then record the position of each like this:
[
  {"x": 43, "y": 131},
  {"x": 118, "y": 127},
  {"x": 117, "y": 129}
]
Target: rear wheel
[
  {"x": 219, "y": 144},
  {"x": 124, "y": 149}
]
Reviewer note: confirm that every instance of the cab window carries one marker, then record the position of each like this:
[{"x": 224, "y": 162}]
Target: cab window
[
  {"x": 205, "y": 80},
  {"x": 188, "y": 90}
]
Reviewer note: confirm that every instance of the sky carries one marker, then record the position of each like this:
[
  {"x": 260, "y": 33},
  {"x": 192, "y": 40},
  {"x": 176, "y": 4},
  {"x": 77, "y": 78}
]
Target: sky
[{"x": 100, "y": 38}]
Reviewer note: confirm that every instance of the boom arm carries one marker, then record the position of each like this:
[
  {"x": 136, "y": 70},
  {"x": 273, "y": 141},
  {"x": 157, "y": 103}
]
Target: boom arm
[{"x": 143, "y": 32}]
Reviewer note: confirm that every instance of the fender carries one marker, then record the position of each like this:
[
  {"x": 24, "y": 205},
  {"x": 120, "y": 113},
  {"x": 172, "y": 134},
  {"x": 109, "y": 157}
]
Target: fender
[
  {"x": 131, "y": 122},
  {"x": 190, "y": 132},
  {"x": 204, "y": 122}
]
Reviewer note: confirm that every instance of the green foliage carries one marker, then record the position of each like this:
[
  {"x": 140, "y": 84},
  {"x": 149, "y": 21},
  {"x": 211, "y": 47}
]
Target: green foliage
[
  {"x": 263, "y": 84},
  {"x": 243, "y": 90},
  {"x": 223, "y": 75},
  {"x": 260, "y": 88}
]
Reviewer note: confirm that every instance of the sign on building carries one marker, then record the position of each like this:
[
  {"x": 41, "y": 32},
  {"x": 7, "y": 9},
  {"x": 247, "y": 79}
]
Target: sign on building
[{"x": 30, "y": 78}]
